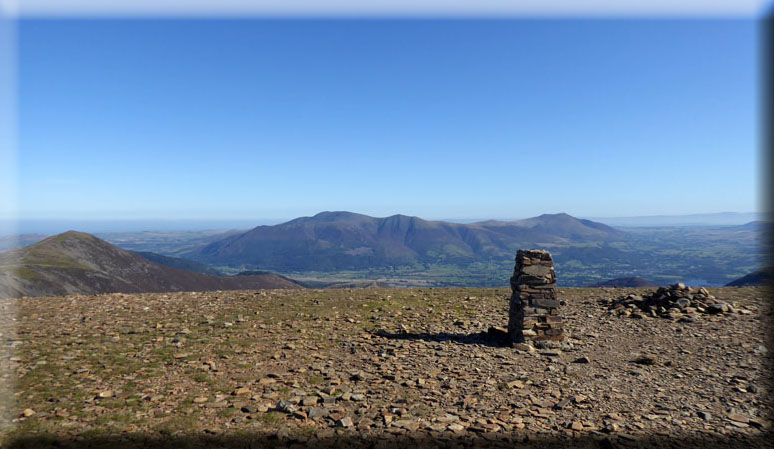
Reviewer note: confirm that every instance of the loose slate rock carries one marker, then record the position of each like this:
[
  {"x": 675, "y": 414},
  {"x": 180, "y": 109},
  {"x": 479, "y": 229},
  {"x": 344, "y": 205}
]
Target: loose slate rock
[
  {"x": 104, "y": 394},
  {"x": 704, "y": 415},
  {"x": 671, "y": 302},
  {"x": 345, "y": 422},
  {"x": 285, "y": 407},
  {"x": 551, "y": 352},
  {"x": 318, "y": 412},
  {"x": 644, "y": 360},
  {"x": 738, "y": 418}
]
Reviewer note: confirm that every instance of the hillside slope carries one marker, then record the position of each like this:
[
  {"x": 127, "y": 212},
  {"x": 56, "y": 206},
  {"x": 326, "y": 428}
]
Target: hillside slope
[
  {"x": 764, "y": 276},
  {"x": 624, "y": 282},
  {"x": 176, "y": 262},
  {"x": 74, "y": 262},
  {"x": 345, "y": 240}
]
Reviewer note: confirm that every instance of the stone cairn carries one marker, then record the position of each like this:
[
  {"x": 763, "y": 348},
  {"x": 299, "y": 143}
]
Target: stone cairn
[
  {"x": 676, "y": 301},
  {"x": 534, "y": 309}
]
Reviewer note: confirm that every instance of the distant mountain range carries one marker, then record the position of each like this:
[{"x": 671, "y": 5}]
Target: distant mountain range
[
  {"x": 760, "y": 277},
  {"x": 348, "y": 249},
  {"x": 101, "y": 227},
  {"x": 75, "y": 262},
  {"x": 624, "y": 282},
  {"x": 347, "y": 241},
  {"x": 711, "y": 219}
]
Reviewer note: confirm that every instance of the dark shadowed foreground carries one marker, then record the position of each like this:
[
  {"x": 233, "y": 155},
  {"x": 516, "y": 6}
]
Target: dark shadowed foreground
[
  {"x": 389, "y": 441},
  {"x": 381, "y": 368}
]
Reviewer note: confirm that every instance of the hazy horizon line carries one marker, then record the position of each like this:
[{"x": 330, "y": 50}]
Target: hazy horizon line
[
  {"x": 50, "y": 226},
  {"x": 375, "y": 215}
]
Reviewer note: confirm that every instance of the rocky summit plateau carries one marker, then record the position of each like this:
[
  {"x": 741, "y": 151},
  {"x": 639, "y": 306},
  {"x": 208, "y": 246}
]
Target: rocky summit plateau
[{"x": 381, "y": 368}]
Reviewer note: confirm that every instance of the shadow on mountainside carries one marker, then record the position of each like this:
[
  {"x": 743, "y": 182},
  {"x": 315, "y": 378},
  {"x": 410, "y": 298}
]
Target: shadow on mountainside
[
  {"x": 351, "y": 439},
  {"x": 492, "y": 338}
]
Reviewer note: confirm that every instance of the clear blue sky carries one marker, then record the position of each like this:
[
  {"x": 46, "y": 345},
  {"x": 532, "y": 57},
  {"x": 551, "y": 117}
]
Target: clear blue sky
[{"x": 265, "y": 119}]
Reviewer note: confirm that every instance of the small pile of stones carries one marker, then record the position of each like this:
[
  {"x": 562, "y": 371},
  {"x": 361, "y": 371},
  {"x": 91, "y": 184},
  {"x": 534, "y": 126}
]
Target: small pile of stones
[{"x": 670, "y": 302}]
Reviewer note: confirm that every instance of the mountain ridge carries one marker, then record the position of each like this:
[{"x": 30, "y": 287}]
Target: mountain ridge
[
  {"x": 79, "y": 263},
  {"x": 629, "y": 282},
  {"x": 335, "y": 240},
  {"x": 764, "y": 276}
]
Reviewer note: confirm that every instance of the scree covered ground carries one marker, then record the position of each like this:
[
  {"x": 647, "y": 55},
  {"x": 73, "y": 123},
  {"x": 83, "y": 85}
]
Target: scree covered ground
[{"x": 380, "y": 368}]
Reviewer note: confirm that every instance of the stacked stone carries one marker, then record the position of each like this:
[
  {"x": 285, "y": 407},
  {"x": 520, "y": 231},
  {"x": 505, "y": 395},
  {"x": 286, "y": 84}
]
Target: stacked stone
[
  {"x": 534, "y": 309},
  {"x": 671, "y": 302}
]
